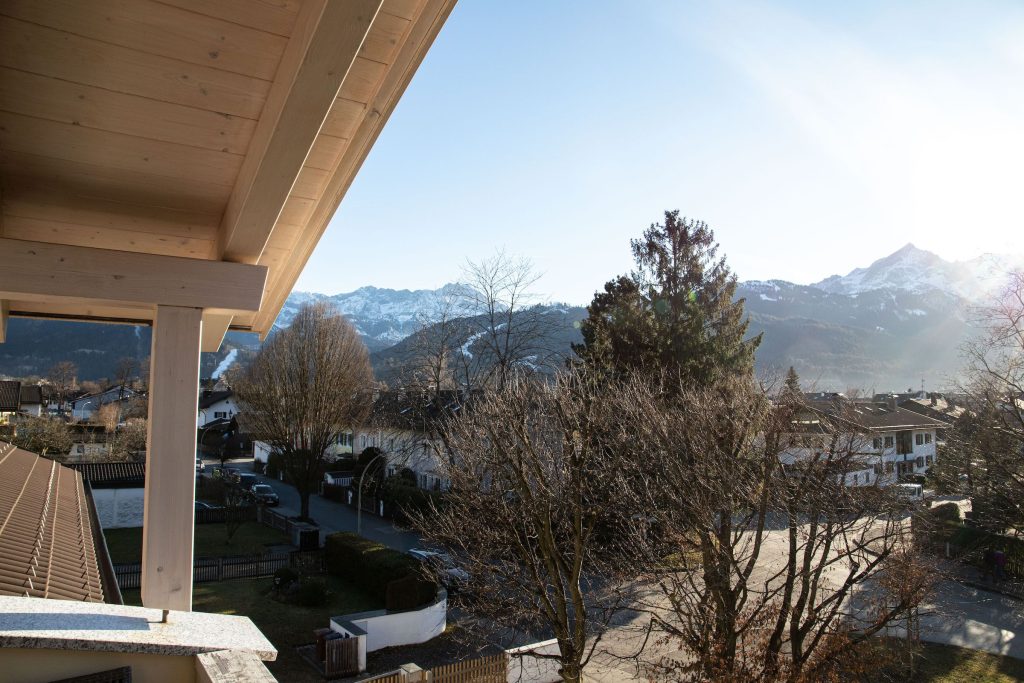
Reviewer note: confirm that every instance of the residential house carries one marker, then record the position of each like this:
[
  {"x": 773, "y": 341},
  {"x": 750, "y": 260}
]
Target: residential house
[
  {"x": 86, "y": 407},
  {"x": 89, "y": 442},
  {"x": 216, "y": 405},
  {"x": 935, "y": 405},
  {"x": 31, "y": 399},
  {"x": 408, "y": 429},
  {"x": 10, "y": 400},
  {"x": 883, "y": 440},
  {"x": 216, "y": 142}
]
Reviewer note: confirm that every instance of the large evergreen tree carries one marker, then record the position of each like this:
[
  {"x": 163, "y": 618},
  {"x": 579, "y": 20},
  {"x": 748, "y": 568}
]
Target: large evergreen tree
[{"x": 675, "y": 312}]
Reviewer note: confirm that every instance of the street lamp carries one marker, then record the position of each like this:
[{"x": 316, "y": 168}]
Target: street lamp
[{"x": 359, "y": 493}]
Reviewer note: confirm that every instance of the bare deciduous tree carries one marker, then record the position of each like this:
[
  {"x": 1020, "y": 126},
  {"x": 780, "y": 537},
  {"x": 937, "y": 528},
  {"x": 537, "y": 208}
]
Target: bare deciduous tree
[
  {"x": 129, "y": 440},
  {"x": 510, "y": 330},
  {"x": 306, "y": 385},
  {"x": 769, "y": 565},
  {"x": 125, "y": 371},
  {"x": 63, "y": 377},
  {"x": 46, "y": 436},
  {"x": 987, "y": 445},
  {"x": 534, "y": 515}
]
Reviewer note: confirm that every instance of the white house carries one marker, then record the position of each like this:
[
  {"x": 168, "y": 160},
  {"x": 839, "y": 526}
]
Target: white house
[
  {"x": 216, "y": 405},
  {"x": 884, "y": 441},
  {"x": 31, "y": 400}
]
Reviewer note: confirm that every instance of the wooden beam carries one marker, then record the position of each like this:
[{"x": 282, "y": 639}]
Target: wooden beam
[
  {"x": 39, "y": 269},
  {"x": 3, "y": 320},
  {"x": 169, "y": 507},
  {"x": 214, "y": 328},
  {"x": 323, "y": 47},
  {"x": 426, "y": 24}
]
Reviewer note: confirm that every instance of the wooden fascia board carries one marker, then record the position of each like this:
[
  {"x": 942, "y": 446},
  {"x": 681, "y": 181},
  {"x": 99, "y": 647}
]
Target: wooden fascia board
[
  {"x": 41, "y": 271},
  {"x": 325, "y": 43},
  {"x": 425, "y": 29}
]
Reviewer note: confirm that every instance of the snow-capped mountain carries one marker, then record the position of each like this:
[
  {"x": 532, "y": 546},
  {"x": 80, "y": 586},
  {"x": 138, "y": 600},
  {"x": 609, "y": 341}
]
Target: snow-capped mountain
[
  {"x": 383, "y": 317},
  {"x": 915, "y": 270}
]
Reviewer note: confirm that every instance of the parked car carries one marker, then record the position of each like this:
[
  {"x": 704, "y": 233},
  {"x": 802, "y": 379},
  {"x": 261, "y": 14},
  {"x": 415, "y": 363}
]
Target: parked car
[
  {"x": 203, "y": 505},
  {"x": 443, "y": 567},
  {"x": 264, "y": 495}
]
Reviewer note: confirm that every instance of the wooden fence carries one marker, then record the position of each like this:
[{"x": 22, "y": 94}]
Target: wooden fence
[
  {"x": 206, "y": 569},
  {"x": 489, "y": 669},
  {"x": 342, "y": 657}
]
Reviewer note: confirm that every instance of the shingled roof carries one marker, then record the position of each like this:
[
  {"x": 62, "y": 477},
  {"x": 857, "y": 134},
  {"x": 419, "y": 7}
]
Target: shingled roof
[
  {"x": 105, "y": 474},
  {"x": 875, "y": 416},
  {"x": 10, "y": 395},
  {"x": 31, "y": 394},
  {"x": 47, "y": 548}
]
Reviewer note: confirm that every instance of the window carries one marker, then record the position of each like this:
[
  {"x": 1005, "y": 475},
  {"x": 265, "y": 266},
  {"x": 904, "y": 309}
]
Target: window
[
  {"x": 919, "y": 439},
  {"x": 363, "y": 441},
  {"x": 928, "y": 460},
  {"x": 920, "y": 461},
  {"x": 888, "y": 467},
  {"x": 876, "y": 443},
  {"x": 220, "y": 415},
  {"x": 928, "y": 437},
  {"x": 889, "y": 442},
  {"x": 856, "y": 479}
]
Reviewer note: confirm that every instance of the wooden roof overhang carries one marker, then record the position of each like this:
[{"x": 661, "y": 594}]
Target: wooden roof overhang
[{"x": 186, "y": 153}]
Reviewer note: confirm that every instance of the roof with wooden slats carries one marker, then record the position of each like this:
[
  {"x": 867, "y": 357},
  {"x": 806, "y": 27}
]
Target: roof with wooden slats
[
  {"x": 47, "y": 548},
  {"x": 191, "y": 131}
]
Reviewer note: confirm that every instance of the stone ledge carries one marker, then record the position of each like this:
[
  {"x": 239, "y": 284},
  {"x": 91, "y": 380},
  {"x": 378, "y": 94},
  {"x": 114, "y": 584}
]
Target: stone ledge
[{"x": 69, "y": 625}]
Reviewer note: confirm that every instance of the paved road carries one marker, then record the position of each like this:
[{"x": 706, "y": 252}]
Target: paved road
[
  {"x": 332, "y": 516},
  {"x": 970, "y": 617}
]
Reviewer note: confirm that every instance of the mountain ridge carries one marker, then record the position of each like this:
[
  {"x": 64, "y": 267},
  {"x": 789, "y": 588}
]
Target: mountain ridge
[{"x": 885, "y": 325}]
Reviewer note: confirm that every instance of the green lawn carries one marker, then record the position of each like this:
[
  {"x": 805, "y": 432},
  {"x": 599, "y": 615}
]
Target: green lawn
[
  {"x": 210, "y": 541},
  {"x": 949, "y": 664},
  {"x": 285, "y": 625}
]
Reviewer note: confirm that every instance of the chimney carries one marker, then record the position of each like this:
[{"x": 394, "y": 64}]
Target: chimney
[
  {"x": 890, "y": 401},
  {"x": 935, "y": 399}
]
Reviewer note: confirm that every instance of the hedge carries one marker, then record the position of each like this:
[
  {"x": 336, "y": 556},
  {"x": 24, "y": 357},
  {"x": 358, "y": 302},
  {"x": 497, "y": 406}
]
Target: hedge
[
  {"x": 406, "y": 501},
  {"x": 392, "y": 576}
]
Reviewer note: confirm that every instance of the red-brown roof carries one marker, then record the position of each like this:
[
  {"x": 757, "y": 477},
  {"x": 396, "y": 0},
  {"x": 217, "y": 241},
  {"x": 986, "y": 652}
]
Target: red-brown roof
[{"x": 47, "y": 548}]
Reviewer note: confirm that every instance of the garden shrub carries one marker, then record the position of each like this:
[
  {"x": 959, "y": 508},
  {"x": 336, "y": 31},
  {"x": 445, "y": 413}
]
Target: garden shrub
[
  {"x": 409, "y": 592},
  {"x": 372, "y": 566}
]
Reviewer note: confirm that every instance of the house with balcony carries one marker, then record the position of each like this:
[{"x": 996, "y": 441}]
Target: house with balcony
[
  {"x": 880, "y": 442},
  {"x": 170, "y": 164}
]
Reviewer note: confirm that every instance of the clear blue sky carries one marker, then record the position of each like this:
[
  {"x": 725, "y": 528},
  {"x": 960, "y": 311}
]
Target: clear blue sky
[{"x": 814, "y": 137}]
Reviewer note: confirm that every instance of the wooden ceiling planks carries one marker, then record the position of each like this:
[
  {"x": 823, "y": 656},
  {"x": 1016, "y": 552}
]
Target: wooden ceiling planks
[
  {"x": 78, "y": 59},
  {"x": 159, "y": 29},
  {"x": 272, "y": 16},
  {"x": 127, "y": 124},
  {"x": 46, "y": 98}
]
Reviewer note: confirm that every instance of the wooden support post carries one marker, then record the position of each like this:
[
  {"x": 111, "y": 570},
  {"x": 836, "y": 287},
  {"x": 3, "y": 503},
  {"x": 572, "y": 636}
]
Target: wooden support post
[
  {"x": 170, "y": 459},
  {"x": 3, "y": 320}
]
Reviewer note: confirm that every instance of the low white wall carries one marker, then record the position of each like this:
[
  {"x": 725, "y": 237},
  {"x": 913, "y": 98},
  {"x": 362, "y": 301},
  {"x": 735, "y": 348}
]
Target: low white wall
[
  {"x": 387, "y": 629},
  {"x": 524, "y": 667},
  {"x": 119, "y": 508}
]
